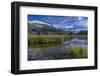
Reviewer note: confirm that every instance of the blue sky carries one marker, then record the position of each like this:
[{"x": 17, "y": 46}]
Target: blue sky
[{"x": 65, "y": 22}]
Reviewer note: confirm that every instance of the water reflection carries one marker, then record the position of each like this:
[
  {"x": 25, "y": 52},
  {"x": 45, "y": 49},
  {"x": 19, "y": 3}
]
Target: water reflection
[{"x": 75, "y": 48}]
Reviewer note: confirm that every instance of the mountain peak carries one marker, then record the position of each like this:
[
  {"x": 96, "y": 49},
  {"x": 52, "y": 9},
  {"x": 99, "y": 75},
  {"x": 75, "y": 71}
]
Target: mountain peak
[{"x": 38, "y": 22}]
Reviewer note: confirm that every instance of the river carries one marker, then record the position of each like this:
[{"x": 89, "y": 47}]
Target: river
[{"x": 56, "y": 52}]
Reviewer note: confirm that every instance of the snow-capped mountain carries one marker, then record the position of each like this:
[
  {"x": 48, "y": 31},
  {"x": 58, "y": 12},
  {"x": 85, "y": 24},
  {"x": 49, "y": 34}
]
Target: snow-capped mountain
[
  {"x": 40, "y": 26},
  {"x": 36, "y": 23}
]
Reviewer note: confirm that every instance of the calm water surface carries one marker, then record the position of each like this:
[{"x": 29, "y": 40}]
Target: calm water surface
[{"x": 56, "y": 51}]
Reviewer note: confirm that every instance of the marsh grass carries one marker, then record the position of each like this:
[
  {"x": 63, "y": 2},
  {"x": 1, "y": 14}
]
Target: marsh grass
[
  {"x": 46, "y": 45},
  {"x": 40, "y": 39},
  {"x": 46, "y": 39},
  {"x": 77, "y": 51}
]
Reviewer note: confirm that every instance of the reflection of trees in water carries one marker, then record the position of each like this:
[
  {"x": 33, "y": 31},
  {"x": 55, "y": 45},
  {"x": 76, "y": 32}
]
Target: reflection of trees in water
[
  {"x": 52, "y": 40},
  {"x": 61, "y": 51}
]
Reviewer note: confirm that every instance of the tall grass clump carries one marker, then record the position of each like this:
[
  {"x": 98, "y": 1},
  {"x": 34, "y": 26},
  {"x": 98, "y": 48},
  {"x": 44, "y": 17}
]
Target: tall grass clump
[
  {"x": 36, "y": 41},
  {"x": 46, "y": 39},
  {"x": 77, "y": 51}
]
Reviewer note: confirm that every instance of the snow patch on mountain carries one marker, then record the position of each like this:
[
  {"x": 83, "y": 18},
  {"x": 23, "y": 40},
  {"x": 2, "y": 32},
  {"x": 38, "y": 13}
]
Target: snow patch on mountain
[{"x": 38, "y": 22}]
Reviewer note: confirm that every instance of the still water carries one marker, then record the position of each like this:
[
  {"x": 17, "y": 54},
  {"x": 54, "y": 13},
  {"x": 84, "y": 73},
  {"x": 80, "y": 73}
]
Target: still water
[{"x": 55, "y": 51}]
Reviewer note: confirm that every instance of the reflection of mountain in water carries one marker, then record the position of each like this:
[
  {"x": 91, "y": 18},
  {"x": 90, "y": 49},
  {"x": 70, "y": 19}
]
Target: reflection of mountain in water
[
  {"x": 56, "y": 52},
  {"x": 76, "y": 41},
  {"x": 67, "y": 38}
]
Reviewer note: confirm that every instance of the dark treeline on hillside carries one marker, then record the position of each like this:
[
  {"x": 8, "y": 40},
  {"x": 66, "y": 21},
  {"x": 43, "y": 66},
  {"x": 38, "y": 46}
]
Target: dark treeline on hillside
[{"x": 48, "y": 29}]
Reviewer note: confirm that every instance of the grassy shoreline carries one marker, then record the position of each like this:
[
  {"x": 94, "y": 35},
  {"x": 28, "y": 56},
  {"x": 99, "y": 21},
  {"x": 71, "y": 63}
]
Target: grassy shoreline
[{"x": 43, "y": 39}]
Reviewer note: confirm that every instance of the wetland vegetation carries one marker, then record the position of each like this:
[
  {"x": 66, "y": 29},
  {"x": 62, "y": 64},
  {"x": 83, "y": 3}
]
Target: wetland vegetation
[{"x": 48, "y": 42}]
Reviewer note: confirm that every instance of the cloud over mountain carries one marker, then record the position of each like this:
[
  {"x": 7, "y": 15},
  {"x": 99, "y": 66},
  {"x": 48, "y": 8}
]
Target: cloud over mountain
[{"x": 63, "y": 22}]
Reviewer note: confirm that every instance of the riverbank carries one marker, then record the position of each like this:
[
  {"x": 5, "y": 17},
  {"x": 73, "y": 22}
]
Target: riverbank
[
  {"x": 74, "y": 49},
  {"x": 53, "y": 39}
]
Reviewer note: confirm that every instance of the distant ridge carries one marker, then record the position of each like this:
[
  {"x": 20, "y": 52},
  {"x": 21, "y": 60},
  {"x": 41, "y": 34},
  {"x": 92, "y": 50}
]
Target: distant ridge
[
  {"x": 42, "y": 27},
  {"x": 39, "y": 22}
]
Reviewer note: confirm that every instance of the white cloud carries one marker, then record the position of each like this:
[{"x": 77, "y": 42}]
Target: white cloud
[
  {"x": 79, "y": 18},
  {"x": 69, "y": 27}
]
